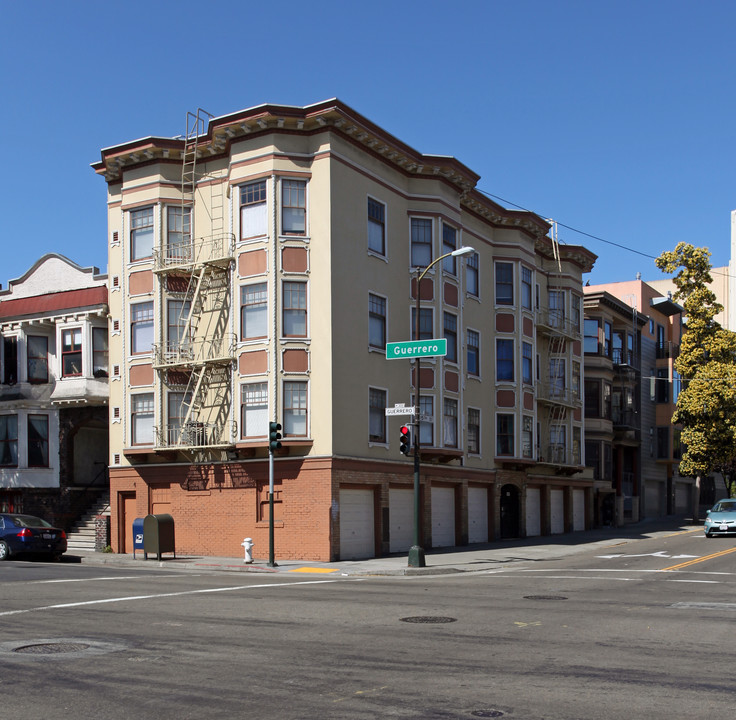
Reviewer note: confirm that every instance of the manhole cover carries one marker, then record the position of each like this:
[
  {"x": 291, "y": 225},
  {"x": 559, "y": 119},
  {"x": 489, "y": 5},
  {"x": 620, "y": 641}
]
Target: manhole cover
[
  {"x": 486, "y": 713},
  {"x": 432, "y": 619},
  {"x": 544, "y": 597},
  {"x": 51, "y": 648}
]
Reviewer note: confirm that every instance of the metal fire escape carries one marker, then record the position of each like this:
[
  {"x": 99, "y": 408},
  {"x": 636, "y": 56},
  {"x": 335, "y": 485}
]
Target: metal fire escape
[
  {"x": 554, "y": 392},
  {"x": 196, "y": 355}
]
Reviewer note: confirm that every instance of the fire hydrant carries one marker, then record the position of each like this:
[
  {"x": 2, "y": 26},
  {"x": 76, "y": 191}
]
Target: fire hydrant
[{"x": 248, "y": 546}]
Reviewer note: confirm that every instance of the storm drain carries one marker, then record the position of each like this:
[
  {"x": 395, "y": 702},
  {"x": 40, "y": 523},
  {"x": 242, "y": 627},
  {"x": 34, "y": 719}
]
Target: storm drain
[
  {"x": 544, "y": 597},
  {"x": 429, "y": 619},
  {"x": 51, "y": 648}
]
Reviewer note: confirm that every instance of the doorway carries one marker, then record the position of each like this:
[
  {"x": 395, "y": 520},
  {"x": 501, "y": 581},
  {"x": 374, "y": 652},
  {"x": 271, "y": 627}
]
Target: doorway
[{"x": 510, "y": 512}]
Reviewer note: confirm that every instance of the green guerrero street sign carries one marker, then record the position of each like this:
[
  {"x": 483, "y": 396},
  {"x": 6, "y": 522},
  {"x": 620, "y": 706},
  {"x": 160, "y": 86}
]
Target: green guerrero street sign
[{"x": 416, "y": 348}]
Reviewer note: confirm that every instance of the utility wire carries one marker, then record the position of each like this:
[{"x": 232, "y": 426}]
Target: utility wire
[{"x": 586, "y": 234}]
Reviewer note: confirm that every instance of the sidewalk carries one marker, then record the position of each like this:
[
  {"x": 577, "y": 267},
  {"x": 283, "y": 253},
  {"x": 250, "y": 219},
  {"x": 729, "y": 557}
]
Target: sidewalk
[{"x": 472, "y": 558}]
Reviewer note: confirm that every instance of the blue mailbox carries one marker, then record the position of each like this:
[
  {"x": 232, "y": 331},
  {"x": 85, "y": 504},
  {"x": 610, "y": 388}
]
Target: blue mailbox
[{"x": 137, "y": 535}]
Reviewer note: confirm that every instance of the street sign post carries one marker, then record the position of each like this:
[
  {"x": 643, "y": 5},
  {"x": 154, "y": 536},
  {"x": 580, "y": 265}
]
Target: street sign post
[{"x": 416, "y": 348}]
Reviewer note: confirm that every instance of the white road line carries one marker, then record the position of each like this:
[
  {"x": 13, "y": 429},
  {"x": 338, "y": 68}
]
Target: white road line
[
  {"x": 163, "y": 595},
  {"x": 78, "y": 580},
  {"x": 711, "y": 582}
]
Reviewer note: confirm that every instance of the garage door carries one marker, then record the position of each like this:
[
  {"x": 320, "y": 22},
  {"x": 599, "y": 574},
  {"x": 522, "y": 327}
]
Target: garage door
[
  {"x": 557, "y": 511},
  {"x": 357, "y": 525},
  {"x": 651, "y": 499},
  {"x": 533, "y": 512},
  {"x": 443, "y": 517},
  {"x": 401, "y": 519},
  {"x": 682, "y": 497},
  {"x": 578, "y": 510},
  {"x": 477, "y": 515}
]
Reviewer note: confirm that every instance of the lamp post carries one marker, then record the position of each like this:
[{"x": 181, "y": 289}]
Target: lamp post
[{"x": 416, "y": 551}]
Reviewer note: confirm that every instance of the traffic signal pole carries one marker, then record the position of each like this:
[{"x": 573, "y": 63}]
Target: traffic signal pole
[{"x": 274, "y": 443}]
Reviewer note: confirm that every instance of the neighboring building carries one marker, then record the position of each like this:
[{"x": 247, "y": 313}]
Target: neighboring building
[
  {"x": 53, "y": 391},
  {"x": 632, "y": 338},
  {"x": 258, "y": 267}
]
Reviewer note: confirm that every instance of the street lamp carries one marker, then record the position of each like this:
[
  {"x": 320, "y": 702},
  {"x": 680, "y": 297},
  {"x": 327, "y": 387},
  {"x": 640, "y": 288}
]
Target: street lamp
[{"x": 416, "y": 552}]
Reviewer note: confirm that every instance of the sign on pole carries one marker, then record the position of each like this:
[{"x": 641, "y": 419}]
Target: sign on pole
[
  {"x": 416, "y": 348},
  {"x": 401, "y": 409}
]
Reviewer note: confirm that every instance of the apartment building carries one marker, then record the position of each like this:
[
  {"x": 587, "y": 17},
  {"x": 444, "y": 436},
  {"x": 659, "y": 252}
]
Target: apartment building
[
  {"x": 632, "y": 338},
  {"x": 258, "y": 267},
  {"x": 53, "y": 390}
]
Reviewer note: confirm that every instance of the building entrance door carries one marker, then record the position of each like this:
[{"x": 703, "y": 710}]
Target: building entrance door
[{"x": 510, "y": 511}]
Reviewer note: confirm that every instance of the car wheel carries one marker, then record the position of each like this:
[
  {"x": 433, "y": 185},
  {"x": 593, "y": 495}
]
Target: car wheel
[
  {"x": 709, "y": 534},
  {"x": 4, "y": 550}
]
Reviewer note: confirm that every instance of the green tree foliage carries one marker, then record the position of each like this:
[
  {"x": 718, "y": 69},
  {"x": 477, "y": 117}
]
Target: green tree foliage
[{"x": 706, "y": 407}]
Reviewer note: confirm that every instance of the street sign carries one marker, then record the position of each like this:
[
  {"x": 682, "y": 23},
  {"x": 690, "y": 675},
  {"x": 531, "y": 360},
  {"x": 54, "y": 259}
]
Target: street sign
[
  {"x": 416, "y": 348},
  {"x": 400, "y": 409}
]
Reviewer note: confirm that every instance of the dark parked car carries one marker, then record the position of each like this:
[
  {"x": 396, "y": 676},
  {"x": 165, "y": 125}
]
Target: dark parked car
[{"x": 29, "y": 535}]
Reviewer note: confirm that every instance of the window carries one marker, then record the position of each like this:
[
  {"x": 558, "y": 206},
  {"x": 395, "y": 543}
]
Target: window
[
  {"x": 99, "y": 352},
  {"x": 254, "y": 410},
  {"x": 8, "y": 440},
  {"x": 141, "y": 233},
  {"x": 141, "y": 327},
  {"x": 505, "y": 360},
  {"x": 576, "y": 380},
  {"x": 526, "y": 363},
  {"x": 37, "y": 348},
  {"x": 377, "y": 415},
  {"x": 421, "y": 242},
  {"x": 295, "y": 309},
  {"x": 178, "y": 233},
  {"x": 607, "y": 342},
  {"x": 504, "y": 434},
  {"x": 71, "y": 352},
  {"x": 253, "y": 214},
  {"x": 293, "y": 207},
  {"x": 663, "y": 443},
  {"x": 590, "y": 336},
  {"x": 504, "y": 283},
  {"x": 449, "y": 244},
  {"x": 473, "y": 431},
  {"x": 177, "y": 312},
  {"x": 471, "y": 275},
  {"x": 38, "y": 441},
  {"x": 376, "y": 226},
  {"x": 576, "y": 445},
  {"x": 10, "y": 360},
  {"x": 557, "y": 444},
  {"x": 593, "y": 457},
  {"x": 426, "y": 428},
  {"x": 253, "y": 311},
  {"x": 295, "y": 408},
  {"x": 451, "y": 337},
  {"x": 526, "y": 288},
  {"x": 556, "y": 308},
  {"x": 377, "y": 321},
  {"x": 527, "y": 436},
  {"x": 473, "y": 352},
  {"x": 426, "y": 324},
  {"x": 575, "y": 312},
  {"x": 177, "y": 407},
  {"x": 607, "y": 400},
  {"x": 662, "y": 394},
  {"x": 557, "y": 372},
  {"x": 592, "y": 398},
  {"x": 141, "y": 420},
  {"x": 449, "y": 423}
]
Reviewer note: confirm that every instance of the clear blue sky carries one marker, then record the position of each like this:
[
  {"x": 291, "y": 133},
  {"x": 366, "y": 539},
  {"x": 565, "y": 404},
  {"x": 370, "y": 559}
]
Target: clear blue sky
[{"x": 615, "y": 118}]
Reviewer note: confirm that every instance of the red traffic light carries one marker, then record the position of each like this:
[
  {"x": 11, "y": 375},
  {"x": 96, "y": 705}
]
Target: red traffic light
[
  {"x": 405, "y": 440},
  {"x": 404, "y": 430}
]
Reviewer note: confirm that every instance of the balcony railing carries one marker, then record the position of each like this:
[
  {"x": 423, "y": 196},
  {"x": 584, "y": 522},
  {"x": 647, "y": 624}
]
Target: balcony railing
[
  {"x": 557, "y": 454},
  {"x": 554, "y": 321},
  {"x": 557, "y": 395},
  {"x": 667, "y": 350},
  {"x": 186, "y": 254},
  {"x": 626, "y": 358},
  {"x": 194, "y": 352},
  {"x": 191, "y": 435}
]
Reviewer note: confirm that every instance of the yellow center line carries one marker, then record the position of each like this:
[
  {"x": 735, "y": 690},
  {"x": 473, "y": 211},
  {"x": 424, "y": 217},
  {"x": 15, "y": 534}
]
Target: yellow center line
[{"x": 699, "y": 560}]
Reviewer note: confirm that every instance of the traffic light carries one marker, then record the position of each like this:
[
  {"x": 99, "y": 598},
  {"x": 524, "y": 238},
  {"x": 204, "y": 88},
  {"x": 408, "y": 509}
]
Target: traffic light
[
  {"x": 274, "y": 436},
  {"x": 405, "y": 440}
]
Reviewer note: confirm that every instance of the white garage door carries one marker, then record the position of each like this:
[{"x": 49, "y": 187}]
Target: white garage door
[
  {"x": 401, "y": 519},
  {"x": 357, "y": 526},
  {"x": 578, "y": 510},
  {"x": 533, "y": 512},
  {"x": 443, "y": 517},
  {"x": 557, "y": 511},
  {"x": 477, "y": 515}
]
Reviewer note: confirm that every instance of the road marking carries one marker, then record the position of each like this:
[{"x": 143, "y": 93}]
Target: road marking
[
  {"x": 77, "y": 580},
  {"x": 703, "y": 606},
  {"x": 163, "y": 595},
  {"x": 660, "y": 554},
  {"x": 699, "y": 560},
  {"x": 529, "y": 624},
  {"x": 710, "y": 582}
]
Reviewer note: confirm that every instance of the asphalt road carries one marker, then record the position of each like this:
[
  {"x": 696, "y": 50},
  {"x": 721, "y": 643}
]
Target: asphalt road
[{"x": 643, "y": 630}]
